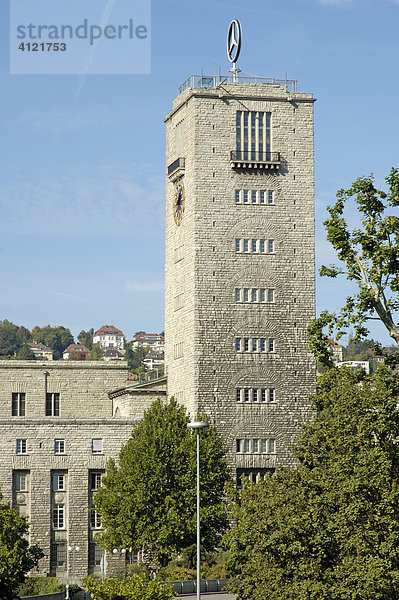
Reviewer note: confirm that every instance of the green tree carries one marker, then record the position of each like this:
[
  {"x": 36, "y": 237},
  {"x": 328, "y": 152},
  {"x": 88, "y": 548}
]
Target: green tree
[
  {"x": 135, "y": 356},
  {"x": 56, "y": 338},
  {"x": 9, "y": 343},
  {"x": 86, "y": 338},
  {"x": 16, "y": 556},
  {"x": 329, "y": 527},
  {"x": 25, "y": 353},
  {"x": 132, "y": 587},
  {"x": 97, "y": 352},
  {"x": 150, "y": 499},
  {"x": 369, "y": 256}
]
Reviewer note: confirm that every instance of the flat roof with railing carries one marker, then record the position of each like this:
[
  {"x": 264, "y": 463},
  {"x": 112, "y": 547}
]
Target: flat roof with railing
[{"x": 212, "y": 81}]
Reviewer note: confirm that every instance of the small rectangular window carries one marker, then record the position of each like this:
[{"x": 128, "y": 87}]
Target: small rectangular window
[
  {"x": 59, "y": 446},
  {"x": 246, "y": 196},
  {"x": 246, "y": 245},
  {"x": 246, "y": 395},
  {"x": 18, "y": 404},
  {"x": 238, "y": 394},
  {"x": 246, "y": 294},
  {"x": 271, "y": 345},
  {"x": 22, "y": 447},
  {"x": 263, "y": 446},
  {"x": 237, "y": 195},
  {"x": 262, "y": 246},
  {"x": 238, "y": 344},
  {"x": 263, "y": 345},
  {"x": 270, "y": 295},
  {"x": 238, "y": 245},
  {"x": 21, "y": 481},
  {"x": 238, "y": 445},
  {"x": 59, "y": 482},
  {"x": 255, "y": 446},
  {"x": 270, "y": 197},
  {"x": 58, "y": 516},
  {"x": 95, "y": 480},
  {"x": 272, "y": 445},
  {"x": 263, "y": 395},
  {"x": 262, "y": 197},
  {"x": 254, "y": 295},
  {"x": 238, "y": 295},
  {"x": 246, "y": 344},
  {"x": 95, "y": 519},
  {"x": 262, "y": 293},
  {"x": 253, "y": 245},
  {"x": 97, "y": 445},
  {"x": 246, "y": 446},
  {"x": 254, "y": 345},
  {"x": 254, "y": 395},
  {"x": 253, "y": 196},
  {"x": 52, "y": 405},
  {"x": 272, "y": 395},
  {"x": 271, "y": 246}
]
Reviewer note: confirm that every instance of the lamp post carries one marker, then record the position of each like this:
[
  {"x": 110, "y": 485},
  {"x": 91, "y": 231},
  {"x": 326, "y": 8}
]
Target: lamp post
[{"x": 198, "y": 425}]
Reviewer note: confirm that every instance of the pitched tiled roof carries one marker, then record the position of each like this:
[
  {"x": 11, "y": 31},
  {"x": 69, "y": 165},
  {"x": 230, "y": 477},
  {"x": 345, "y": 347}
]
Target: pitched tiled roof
[
  {"x": 108, "y": 329},
  {"x": 38, "y": 346},
  {"x": 76, "y": 348}
]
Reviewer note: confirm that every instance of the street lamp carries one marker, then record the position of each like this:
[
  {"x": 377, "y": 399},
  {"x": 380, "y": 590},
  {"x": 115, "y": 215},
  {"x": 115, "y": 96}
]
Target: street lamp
[{"x": 198, "y": 425}]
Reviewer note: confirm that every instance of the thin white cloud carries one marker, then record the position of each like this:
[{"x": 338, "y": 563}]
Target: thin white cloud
[
  {"x": 68, "y": 120},
  {"x": 65, "y": 295},
  {"x": 108, "y": 200},
  {"x": 144, "y": 286}
]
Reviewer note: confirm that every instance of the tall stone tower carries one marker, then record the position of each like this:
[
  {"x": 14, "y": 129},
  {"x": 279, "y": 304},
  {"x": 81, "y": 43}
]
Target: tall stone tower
[{"x": 240, "y": 285}]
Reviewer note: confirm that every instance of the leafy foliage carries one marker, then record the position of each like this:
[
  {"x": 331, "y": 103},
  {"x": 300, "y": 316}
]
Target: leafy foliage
[
  {"x": 56, "y": 338},
  {"x": 25, "y": 353},
  {"x": 132, "y": 587},
  {"x": 16, "y": 556},
  {"x": 370, "y": 257},
  {"x": 37, "y": 586},
  {"x": 86, "y": 338},
  {"x": 97, "y": 352},
  {"x": 135, "y": 356},
  {"x": 328, "y": 529},
  {"x": 150, "y": 500},
  {"x": 12, "y": 337}
]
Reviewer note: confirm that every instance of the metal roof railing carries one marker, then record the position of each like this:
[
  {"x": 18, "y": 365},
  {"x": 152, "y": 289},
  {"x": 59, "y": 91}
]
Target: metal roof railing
[{"x": 212, "y": 81}]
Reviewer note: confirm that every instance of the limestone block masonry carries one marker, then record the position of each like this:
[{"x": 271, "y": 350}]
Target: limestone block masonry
[
  {"x": 60, "y": 423},
  {"x": 240, "y": 282}
]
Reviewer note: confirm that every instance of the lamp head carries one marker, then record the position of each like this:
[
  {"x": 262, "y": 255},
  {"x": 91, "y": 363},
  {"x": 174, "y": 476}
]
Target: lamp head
[{"x": 198, "y": 425}]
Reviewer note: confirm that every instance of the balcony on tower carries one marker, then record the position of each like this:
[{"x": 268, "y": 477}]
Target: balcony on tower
[
  {"x": 250, "y": 160},
  {"x": 176, "y": 168}
]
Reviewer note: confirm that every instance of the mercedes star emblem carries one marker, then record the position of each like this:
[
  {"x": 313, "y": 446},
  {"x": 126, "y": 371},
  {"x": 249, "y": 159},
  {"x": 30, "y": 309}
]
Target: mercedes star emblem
[{"x": 234, "y": 40}]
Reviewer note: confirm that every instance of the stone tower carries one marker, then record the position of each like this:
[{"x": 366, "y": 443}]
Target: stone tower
[{"x": 240, "y": 284}]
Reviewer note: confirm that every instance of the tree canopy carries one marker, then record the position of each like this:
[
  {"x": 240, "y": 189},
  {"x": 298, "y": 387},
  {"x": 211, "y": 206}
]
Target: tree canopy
[
  {"x": 132, "y": 587},
  {"x": 12, "y": 337},
  {"x": 329, "y": 527},
  {"x": 369, "y": 256},
  {"x": 16, "y": 556},
  {"x": 86, "y": 338},
  {"x": 57, "y": 338},
  {"x": 150, "y": 499}
]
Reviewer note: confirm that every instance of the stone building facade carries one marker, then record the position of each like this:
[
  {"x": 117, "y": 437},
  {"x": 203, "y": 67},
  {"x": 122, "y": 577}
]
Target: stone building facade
[
  {"x": 60, "y": 423},
  {"x": 240, "y": 283}
]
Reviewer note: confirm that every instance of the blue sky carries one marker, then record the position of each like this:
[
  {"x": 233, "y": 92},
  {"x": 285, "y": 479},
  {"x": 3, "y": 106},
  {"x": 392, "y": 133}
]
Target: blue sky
[{"x": 82, "y": 159}]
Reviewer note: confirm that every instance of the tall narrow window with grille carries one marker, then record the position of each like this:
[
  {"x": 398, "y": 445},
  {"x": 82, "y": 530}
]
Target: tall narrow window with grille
[{"x": 253, "y": 135}]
